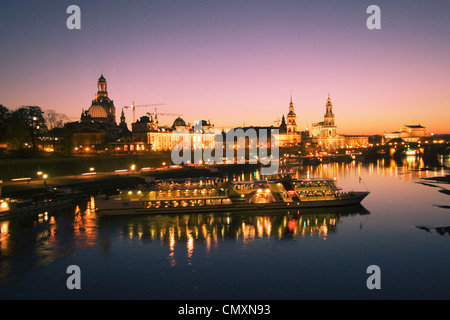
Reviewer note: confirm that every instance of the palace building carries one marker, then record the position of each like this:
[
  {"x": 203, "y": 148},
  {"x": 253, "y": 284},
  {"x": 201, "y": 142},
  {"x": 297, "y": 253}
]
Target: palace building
[
  {"x": 409, "y": 133},
  {"x": 148, "y": 135}
]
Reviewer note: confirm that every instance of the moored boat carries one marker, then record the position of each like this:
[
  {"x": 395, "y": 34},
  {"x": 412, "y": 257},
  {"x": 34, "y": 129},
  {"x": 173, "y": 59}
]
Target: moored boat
[
  {"x": 50, "y": 200},
  {"x": 213, "y": 194}
]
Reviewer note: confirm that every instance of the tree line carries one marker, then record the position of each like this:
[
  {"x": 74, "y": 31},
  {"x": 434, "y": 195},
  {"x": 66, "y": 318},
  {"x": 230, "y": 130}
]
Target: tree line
[{"x": 26, "y": 126}]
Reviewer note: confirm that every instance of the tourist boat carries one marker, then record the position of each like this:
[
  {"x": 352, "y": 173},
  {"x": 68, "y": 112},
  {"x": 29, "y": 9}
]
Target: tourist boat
[{"x": 213, "y": 194}]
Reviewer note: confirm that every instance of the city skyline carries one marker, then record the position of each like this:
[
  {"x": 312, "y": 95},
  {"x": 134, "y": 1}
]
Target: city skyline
[{"x": 234, "y": 62}]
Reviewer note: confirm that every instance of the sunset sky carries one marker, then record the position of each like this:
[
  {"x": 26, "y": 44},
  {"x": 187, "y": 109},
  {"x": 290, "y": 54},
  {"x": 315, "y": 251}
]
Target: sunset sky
[{"x": 234, "y": 61}]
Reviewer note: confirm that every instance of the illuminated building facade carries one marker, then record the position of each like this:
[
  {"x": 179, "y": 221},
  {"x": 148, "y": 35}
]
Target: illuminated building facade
[
  {"x": 356, "y": 141},
  {"x": 409, "y": 133},
  {"x": 165, "y": 138},
  {"x": 324, "y": 134},
  {"x": 288, "y": 130},
  {"x": 97, "y": 126}
]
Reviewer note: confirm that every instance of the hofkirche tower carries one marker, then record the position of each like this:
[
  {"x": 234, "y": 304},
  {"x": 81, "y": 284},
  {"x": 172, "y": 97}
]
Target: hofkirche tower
[
  {"x": 329, "y": 116},
  {"x": 324, "y": 133}
]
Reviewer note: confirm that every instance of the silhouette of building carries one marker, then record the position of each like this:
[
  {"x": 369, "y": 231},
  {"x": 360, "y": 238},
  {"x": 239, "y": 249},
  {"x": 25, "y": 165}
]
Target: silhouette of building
[{"x": 97, "y": 127}]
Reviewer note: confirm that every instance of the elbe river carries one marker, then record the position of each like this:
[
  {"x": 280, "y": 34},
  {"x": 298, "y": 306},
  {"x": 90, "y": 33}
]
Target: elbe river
[{"x": 402, "y": 228}]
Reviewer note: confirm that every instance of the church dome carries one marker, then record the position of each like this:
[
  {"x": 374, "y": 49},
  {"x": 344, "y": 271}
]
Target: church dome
[
  {"x": 179, "y": 123},
  {"x": 97, "y": 111}
]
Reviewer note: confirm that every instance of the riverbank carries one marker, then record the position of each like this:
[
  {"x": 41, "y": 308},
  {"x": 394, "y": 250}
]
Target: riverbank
[
  {"x": 11, "y": 168},
  {"x": 91, "y": 183}
]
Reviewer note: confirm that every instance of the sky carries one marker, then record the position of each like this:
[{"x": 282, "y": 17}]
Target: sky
[{"x": 234, "y": 62}]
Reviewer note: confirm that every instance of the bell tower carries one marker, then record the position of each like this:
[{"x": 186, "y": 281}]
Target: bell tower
[
  {"x": 291, "y": 118},
  {"x": 329, "y": 116}
]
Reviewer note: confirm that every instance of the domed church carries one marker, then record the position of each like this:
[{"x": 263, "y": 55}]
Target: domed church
[
  {"x": 97, "y": 127},
  {"x": 102, "y": 108}
]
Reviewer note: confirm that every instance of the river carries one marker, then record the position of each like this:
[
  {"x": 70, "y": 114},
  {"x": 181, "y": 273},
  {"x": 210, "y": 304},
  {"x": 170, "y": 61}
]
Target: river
[{"x": 402, "y": 229}]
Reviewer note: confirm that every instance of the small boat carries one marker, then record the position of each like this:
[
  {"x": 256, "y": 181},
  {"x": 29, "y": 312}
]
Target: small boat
[
  {"x": 50, "y": 200},
  {"x": 212, "y": 195}
]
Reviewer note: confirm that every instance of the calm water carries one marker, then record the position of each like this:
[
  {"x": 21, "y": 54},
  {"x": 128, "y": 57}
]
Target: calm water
[{"x": 321, "y": 254}]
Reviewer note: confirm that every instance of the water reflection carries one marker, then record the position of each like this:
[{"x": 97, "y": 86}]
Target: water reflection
[
  {"x": 188, "y": 230},
  {"x": 442, "y": 231},
  {"x": 39, "y": 240},
  {"x": 44, "y": 240},
  {"x": 32, "y": 241}
]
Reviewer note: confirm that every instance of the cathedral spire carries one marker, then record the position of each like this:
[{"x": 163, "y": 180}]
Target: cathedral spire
[
  {"x": 122, "y": 117},
  {"x": 329, "y": 116},
  {"x": 291, "y": 104},
  {"x": 291, "y": 118}
]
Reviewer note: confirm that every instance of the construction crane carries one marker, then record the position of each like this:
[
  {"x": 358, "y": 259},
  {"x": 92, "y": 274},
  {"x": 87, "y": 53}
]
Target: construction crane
[
  {"x": 277, "y": 122},
  {"x": 162, "y": 114},
  {"x": 133, "y": 107}
]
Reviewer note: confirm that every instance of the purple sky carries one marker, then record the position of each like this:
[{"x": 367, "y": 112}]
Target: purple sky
[{"x": 234, "y": 62}]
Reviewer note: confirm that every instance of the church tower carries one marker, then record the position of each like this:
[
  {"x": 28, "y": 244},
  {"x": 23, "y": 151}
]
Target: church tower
[
  {"x": 102, "y": 88},
  {"x": 122, "y": 119},
  {"x": 329, "y": 116},
  {"x": 102, "y": 108},
  {"x": 291, "y": 119}
]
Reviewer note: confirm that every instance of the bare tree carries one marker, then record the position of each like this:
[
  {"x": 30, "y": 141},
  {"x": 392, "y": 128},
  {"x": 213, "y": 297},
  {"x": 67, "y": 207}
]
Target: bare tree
[{"x": 54, "y": 119}]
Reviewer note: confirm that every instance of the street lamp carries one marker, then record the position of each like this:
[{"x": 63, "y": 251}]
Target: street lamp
[{"x": 45, "y": 176}]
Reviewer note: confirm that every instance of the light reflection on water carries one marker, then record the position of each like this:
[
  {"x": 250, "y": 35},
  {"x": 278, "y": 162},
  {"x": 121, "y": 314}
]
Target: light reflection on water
[{"x": 222, "y": 255}]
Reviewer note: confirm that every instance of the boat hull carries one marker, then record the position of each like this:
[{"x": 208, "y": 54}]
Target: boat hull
[
  {"x": 40, "y": 207},
  {"x": 125, "y": 207}
]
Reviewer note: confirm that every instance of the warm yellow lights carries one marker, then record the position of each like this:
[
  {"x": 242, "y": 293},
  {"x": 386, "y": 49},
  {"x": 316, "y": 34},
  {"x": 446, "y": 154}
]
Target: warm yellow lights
[{"x": 4, "y": 206}]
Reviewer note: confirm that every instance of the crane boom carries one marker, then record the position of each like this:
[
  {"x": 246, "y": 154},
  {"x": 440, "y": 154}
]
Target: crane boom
[
  {"x": 133, "y": 107},
  {"x": 164, "y": 114}
]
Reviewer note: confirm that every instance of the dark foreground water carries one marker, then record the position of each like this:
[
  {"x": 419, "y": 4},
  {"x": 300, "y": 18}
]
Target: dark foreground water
[{"x": 403, "y": 228}]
